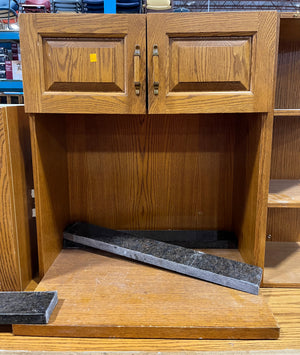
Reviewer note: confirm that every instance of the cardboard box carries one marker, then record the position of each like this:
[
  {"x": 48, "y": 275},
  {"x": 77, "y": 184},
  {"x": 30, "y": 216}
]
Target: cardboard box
[
  {"x": 8, "y": 69},
  {"x": 17, "y": 69}
]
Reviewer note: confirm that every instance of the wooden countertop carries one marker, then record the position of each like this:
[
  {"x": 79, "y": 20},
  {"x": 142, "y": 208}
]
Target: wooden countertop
[{"x": 284, "y": 302}]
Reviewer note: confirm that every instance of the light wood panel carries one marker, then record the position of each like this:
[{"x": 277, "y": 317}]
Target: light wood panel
[
  {"x": 18, "y": 235},
  {"x": 285, "y": 150},
  {"x": 288, "y": 74},
  {"x": 284, "y": 224},
  {"x": 152, "y": 172},
  {"x": 251, "y": 185},
  {"x": 49, "y": 156},
  {"x": 83, "y": 64},
  {"x": 282, "y": 264},
  {"x": 121, "y": 298},
  {"x": 185, "y": 39},
  {"x": 284, "y": 193}
]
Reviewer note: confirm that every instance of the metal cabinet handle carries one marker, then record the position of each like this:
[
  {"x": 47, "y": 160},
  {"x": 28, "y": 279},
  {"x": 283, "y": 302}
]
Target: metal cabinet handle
[
  {"x": 155, "y": 69},
  {"x": 136, "y": 69}
]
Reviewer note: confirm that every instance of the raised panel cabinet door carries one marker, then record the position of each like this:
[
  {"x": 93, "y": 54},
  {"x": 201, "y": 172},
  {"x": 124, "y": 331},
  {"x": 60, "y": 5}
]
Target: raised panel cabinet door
[
  {"x": 215, "y": 62},
  {"x": 87, "y": 63}
]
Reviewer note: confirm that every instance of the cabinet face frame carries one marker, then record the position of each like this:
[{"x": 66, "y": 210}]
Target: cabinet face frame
[
  {"x": 56, "y": 87},
  {"x": 247, "y": 43}
]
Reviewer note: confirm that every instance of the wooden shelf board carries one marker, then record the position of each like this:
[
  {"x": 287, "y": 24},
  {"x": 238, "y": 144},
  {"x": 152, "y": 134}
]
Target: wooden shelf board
[
  {"x": 101, "y": 295},
  {"x": 289, "y": 15},
  {"x": 286, "y": 112},
  {"x": 284, "y": 194},
  {"x": 282, "y": 264}
]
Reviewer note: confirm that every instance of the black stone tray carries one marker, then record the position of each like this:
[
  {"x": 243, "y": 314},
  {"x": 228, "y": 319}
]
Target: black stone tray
[
  {"x": 26, "y": 307},
  {"x": 222, "y": 271}
]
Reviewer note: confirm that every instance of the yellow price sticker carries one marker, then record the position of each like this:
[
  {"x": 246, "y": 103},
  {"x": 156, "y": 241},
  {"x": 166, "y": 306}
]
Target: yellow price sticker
[{"x": 93, "y": 57}]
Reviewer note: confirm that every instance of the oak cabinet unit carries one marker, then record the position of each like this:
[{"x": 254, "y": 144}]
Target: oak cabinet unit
[
  {"x": 157, "y": 122},
  {"x": 283, "y": 243}
]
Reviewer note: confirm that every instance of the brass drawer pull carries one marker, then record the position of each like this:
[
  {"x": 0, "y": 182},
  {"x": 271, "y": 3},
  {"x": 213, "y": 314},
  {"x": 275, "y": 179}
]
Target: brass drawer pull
[{"x": 155, "y": 69}]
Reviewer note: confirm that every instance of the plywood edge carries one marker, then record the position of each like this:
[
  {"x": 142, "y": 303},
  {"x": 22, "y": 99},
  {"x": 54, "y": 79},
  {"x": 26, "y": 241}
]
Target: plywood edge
[
  {"x": 270, "y": 332},
  {"x": 286, "y": 112}
]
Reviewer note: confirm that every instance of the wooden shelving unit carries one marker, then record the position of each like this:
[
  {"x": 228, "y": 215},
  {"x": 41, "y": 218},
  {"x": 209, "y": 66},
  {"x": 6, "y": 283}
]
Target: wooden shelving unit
[
  {"x": 282, "y": 258},
  {"x": 195, "y": 158}
]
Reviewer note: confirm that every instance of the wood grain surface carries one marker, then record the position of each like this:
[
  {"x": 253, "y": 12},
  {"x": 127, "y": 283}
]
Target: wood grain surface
[
  {"x": 286, "y": 148},
  {"x": 251, "y": 185},
  {"x": 18, "y": 256},
  {"x": 121, "y": 298},
  {"x": 282, "y": 264},
  {"x": 198, "y": 65},
  {"x": 288, "y": 74},
  {"x": 169, "y": 30},
  {"x": 284, "y": 224},
  {"x": 152, "y": 172},
  {"x": 284, "y": 194},
  {"x": 49, "y": 158},
  {"x": 82, "y": 64},
  {"x": 9, "y": 257},
  {"x": 286, "y": 112}
]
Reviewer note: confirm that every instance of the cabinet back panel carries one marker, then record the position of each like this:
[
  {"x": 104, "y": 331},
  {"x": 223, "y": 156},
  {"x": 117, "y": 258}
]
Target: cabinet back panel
[
  {"x": 288, "y": 73},
  {"x": 151, "y": 172},
  {"x": 285, "y": 163},
  {"x": 284, "y": 224}
]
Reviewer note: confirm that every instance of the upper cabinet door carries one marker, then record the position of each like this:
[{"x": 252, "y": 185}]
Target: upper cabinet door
[
  {"x": 84, "y": 63},
  {"x": 215, "y": 62}
]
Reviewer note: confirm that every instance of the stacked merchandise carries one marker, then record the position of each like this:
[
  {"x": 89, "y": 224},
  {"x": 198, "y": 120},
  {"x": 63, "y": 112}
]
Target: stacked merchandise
[{"x": 10, "y": 61}]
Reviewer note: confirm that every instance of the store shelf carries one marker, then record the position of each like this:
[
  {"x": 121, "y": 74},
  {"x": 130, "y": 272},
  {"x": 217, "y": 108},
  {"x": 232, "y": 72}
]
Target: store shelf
[
  {"x": 286, "y": 112},
  {"x": 11, "y": 85},
  {"x": 282, "y": 264},
  {"x": 284, "y": 194},
  {"x": 9, "y": 35}
]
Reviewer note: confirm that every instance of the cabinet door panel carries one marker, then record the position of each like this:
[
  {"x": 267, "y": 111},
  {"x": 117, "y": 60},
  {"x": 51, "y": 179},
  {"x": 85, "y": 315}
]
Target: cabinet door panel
[
  {"x": 219, "y": 62},
  {"x": 84, "y": 64}
]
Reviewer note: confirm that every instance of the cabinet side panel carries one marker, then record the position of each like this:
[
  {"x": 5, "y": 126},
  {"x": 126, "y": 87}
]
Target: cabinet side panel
[
  {"x": 9, "y": 267},
  {"x": 51, "y": 185},
  {"x": 251, "y": 184},
  {"x": 21, "y": 180}
]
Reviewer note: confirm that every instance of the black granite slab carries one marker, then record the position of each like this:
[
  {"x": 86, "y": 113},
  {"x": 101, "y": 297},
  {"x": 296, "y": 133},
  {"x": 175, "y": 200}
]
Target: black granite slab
[
  {"x": 207, "y": 267},
  {"x": 196, "y": 239},
  {"x": 26, "y": 307}
]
